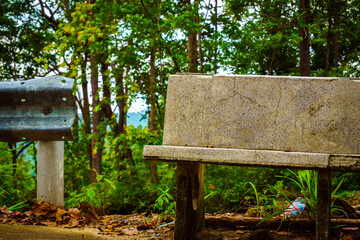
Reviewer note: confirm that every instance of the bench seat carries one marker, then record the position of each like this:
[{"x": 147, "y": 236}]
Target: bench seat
[{"x": 255, "y": 158}]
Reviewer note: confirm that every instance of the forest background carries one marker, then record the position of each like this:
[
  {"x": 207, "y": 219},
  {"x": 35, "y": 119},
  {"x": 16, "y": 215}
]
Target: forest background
[{"x": 118, "y": 51}]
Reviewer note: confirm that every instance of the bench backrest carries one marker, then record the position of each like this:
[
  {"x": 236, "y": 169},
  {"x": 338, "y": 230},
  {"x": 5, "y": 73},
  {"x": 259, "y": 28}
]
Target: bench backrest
[{"x": 297, "y": 114}]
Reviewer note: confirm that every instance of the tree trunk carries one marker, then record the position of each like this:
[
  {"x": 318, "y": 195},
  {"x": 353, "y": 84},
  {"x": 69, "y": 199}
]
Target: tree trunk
[
  {"x": 192, "y": 46},
  {"x": 14, "y": 156},
  {"x": 97, "y": 135},
  {"x": 86, "y": 108},
  {"x": 122, "y": 150},
  {"x": 336, "y": 34},
  {"x": 327, "y": 54},
  {"x": 152, "y": 120},
  {"x": 75, "y": 129},
  {"x": 304, "y": 9},
  {"x": 96, "y": 165},
  {"x": 198, "y": 32},
  {"x": 216, "y": 37},
  {"x": 120, "y": 99},
  {"x": 106, "y": 101}
]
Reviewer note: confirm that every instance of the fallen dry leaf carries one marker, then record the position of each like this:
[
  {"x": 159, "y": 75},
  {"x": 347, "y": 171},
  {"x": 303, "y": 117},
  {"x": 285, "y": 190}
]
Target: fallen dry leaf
[
  {"x": 5, "y": 210},
  {"x": 284, "y": 233},
  {"x": 145, "y": 226},
  {"x": 29, "y": 213},
  {"x": 105, "y": 220},
  {"x": 17, "y": 215},
  {"x": 350, "y": 228},
  {"x": 60, "y": 213},
  {"x": 42, "y": 208},
  {"x": 130, "y": 232},
  {"x": 89, "y": 212},
  {"x": 27, "y": 221},
  {"x": 75, "y": 217},
  {"x": 49, "y": 224}
]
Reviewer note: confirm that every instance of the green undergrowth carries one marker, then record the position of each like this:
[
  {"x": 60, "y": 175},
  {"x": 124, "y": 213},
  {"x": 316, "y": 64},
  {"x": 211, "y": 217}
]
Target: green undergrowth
[{"x": 125, "y": 185}]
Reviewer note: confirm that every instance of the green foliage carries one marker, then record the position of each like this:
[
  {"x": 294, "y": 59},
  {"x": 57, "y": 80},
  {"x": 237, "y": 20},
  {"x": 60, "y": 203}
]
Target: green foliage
[
  {"x": 165, "y": 203},
  {"x": 22, "y": 38},
  {"x": 16, "y": 190},
  {"x": 125, "y": 183},
  {"x": 303, "y": 183},
  {"x": 229, "y": 187},
  {"x": 19, "y": 206},
  {"x": 97, "y": 194}
]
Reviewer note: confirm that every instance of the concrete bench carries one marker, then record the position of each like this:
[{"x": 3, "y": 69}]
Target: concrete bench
[{"x": 262, "y": 121}]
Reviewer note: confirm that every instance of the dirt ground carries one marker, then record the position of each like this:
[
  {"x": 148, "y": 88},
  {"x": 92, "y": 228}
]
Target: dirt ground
[
  {"x": 96, "y": 232},
  {"x": 31, "y": 232},
  {"x": 46, "y": 221}
]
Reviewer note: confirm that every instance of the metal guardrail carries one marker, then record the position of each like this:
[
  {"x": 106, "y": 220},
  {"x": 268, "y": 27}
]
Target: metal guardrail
[{"x": 41, "y": 109}]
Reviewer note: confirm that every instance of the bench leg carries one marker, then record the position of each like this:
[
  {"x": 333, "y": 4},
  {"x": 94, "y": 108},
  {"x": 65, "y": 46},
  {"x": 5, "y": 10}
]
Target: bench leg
[
  {"x": 323, "y": 205},
  {"x": 190, "y": 215},
  {"x": 50, "y": 172}
]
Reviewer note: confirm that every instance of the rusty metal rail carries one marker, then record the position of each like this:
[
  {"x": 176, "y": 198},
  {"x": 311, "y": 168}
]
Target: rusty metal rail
[{"x": 41, "y": 109}]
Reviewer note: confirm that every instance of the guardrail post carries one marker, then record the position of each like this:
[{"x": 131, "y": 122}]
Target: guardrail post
[{"x": 50, "y": 172}]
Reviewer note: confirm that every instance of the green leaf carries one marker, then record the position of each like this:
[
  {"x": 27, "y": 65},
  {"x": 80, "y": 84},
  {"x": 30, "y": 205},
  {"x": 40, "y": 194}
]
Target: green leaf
[
  {"x": 110, "y": 183},
  {"x": 90, "y": 193},
  {"x": 99, "y": 177}
]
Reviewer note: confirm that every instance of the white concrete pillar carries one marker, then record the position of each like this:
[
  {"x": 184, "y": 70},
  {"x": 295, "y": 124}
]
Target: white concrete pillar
[{"x": 50, "y": 172}]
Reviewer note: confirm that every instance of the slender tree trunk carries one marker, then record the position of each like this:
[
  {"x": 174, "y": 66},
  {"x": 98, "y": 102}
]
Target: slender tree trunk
[
  {"x": 192, "y": 46},
  {"x": 120, "y": 99},
  {"x": 305, "y": 35},
  {"x": 106, "y": 101},
  {"x": 152, "y": 120},
  {"x": 216, "y": 37},
  {"x": 75, "y": 128},
  {"x": 14, "y": 156},
  {"x": 336, "y": 34},
  {"x": 122, "y": 150},
  {"x": 96, "y": 165},
  {"x": 198, "y": 32},
  {"x": 327, "y": 53},
  {"x": 86, "y": 107},
  {"x": 97, "y": 135}
]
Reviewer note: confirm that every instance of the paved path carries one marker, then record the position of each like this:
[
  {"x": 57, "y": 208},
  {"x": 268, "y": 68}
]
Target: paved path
[{"x": 22, "y": 232}]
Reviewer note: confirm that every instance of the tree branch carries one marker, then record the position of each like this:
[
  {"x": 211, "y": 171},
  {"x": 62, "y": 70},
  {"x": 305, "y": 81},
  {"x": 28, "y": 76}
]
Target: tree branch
[
  {"x": 152, "y": 19},
  {"x": 23, "y": 148},
  {"x": 53, "y": 23}
]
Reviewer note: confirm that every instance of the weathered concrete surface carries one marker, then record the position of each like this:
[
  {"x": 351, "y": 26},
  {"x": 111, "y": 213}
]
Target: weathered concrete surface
[
  {"x": 258, "y": 158},
  {"x": 297, "y": 114},
  {"x": 50, "y": 172},
  {"x": 16, "y": 232},
  {"x": 261, "y": 158}
]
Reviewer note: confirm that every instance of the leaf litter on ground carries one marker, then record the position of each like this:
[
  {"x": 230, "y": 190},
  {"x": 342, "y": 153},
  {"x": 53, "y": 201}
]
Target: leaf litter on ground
[
  {"x": 135, "y": 226},
  {"x": 47, "y": 214}
]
